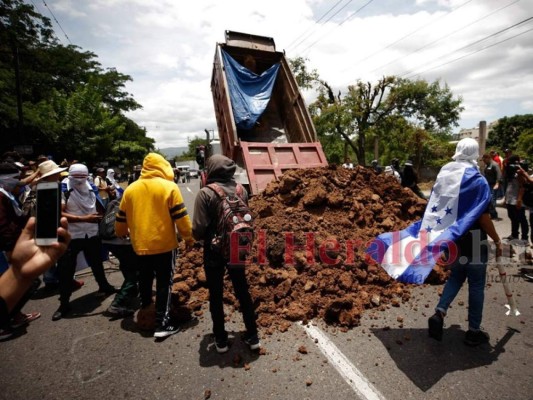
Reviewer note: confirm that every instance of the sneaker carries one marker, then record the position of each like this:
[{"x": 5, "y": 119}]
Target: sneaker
[
  {"x": 119, "y": 312},
  {"x": 475, "y": 338},
  {"x": 435, "y": 324},
  {"x": 22, "y": 319},
  {"x": 252, "y": 341},
  {"x": 164, "y": 331},
  {"x": 6, "y": 333},
  {"x": 509, "y": 238},
  {"x": 222, "y": 346},
  {"x": 76, "y": 285}
]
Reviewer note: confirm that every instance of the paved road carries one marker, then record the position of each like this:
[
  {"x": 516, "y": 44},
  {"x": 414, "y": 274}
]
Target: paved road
[{"x": 88, "y": 356}]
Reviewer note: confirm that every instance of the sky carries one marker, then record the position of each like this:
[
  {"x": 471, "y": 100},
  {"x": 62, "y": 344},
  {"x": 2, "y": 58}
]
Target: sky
[{"x": 482, "y": 49}]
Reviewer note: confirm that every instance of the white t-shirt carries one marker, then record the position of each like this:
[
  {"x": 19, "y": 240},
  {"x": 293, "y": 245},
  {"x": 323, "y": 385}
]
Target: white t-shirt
[{"x": 78, "y": 230}]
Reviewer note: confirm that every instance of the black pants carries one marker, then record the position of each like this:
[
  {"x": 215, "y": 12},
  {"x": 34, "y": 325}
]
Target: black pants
[
  {"x": 91, "y": 248},
  {"x": 518, "y": 219},
  {"x": 160, "y": 266},
  {"x": 129, "y": 266},
  {"x": 215, "y": 268}
]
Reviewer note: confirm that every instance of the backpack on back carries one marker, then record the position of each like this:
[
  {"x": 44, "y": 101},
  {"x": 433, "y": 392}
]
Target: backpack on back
[
  {"x": 234, "y": 233},
  {"x": 106, "y": 228}
]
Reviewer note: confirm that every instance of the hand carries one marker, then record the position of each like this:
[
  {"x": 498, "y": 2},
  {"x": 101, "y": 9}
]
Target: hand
[
  {"x": 30, "y": 260},
  {"x": 92, "y": 218},
  {"x": 189, "y": 244}
]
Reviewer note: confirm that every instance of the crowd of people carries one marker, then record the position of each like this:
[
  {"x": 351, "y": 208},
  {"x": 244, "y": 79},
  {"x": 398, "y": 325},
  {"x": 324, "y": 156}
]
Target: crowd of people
[
  {"x": 151, "y": 217},
  {"x": 146, "y": 217}
]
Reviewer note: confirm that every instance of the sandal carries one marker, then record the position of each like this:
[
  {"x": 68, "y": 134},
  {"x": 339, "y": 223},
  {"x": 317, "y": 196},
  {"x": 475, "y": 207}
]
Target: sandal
[{"x": 22, "y": 319}]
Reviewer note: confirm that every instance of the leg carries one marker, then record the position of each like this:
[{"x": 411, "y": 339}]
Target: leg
[
  {"x": 240, "y": 286},
  {"x": 92, "y": 248},
  {"x": 476, "y": 274},
  {"x": 215, "y": 268},
  {"x": 522, "y": 220},
  {"x": 146, "y": 280},
  {"x": 67, "y": 267},
  {"x": 130, "y": 270},
  {"x": 511, "y": 213},
  {"x": 452, "y": 287},
  {"x": 164, "y": 265}
]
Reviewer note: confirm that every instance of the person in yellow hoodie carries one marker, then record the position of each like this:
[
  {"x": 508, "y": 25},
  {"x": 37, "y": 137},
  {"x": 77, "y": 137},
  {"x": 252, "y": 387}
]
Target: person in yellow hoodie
[{"x": 150, "y": 210}]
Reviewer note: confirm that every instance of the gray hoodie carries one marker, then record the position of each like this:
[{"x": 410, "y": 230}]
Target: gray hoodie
[{"x": 220, "y": 170}]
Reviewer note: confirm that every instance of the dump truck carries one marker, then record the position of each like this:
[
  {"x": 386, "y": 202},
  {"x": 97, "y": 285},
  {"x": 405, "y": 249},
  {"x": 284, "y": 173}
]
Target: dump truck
[{"x": 268, "y": 140}]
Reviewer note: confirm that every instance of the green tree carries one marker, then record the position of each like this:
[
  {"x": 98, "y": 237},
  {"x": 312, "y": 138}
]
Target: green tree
[
  {"x": 69, "y": 105},
  {"x": 506, "y": 133}
]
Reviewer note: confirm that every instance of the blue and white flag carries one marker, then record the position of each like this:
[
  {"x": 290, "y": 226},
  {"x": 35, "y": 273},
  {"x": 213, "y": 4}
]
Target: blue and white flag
[{"x": 460, "y": 196}]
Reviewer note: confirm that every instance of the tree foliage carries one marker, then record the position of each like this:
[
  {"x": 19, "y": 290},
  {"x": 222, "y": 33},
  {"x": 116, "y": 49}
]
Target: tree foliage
[
  {"x": 508, "y": 132},
  {"x": 71, "y": 107},
  {"x": 402, "y": 116}
]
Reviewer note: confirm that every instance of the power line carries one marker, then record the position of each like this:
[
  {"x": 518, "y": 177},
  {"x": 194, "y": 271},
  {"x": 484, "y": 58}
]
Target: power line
[
  {"x": 316, "y": 22},
  {"x": 445, "y": 36},
  {"x": 414, "y": 73},
  {"x": 329, "y": 19},
  {"x": 55, "y": 19},
  {"x": 339, "y": 24},
  {"x": 409, "y": 34}
]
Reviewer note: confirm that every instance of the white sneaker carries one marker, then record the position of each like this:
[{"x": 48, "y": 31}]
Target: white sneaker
[{"x": 164, "y": 331}]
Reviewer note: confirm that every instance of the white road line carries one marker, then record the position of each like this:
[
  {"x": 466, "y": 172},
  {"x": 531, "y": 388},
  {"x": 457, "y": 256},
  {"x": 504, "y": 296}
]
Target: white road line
[
  {"x": 189, "y": 189},
  {"x": 348, "y": 371}
]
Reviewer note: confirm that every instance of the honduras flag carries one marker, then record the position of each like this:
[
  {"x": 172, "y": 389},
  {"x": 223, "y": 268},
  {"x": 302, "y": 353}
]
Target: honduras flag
[{"x": 460, "y": 196}]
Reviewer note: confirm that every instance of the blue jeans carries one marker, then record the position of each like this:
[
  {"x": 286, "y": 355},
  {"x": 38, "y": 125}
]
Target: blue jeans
[
  {"x": 476, "y": 274},
  {"x": 492, "y": 208}
]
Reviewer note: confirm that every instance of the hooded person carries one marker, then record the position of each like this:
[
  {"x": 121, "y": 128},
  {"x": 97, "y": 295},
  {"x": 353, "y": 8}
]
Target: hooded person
[
  {"x": 79, "y": 205},
  {"x": 456, "y": 223},
  {"x": 220, "y": 171},
  {"x": 116, "y": 190},
  {"x": 151, "y": 209}
]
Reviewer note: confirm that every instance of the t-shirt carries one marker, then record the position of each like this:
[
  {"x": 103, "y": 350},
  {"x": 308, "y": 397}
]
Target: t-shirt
[{"x": 101, "y": 184}]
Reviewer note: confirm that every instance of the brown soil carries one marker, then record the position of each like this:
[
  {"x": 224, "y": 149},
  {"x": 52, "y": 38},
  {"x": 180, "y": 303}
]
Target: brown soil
[{"x": 331, "y": 213}]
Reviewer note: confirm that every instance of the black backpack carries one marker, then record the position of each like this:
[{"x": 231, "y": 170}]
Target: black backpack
[
  {"x": 234, "y": 225},
  {"x": 106, "y": 228}
]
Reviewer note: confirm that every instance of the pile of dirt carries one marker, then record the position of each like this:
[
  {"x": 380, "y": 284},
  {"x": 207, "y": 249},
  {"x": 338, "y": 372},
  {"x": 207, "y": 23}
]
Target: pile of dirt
[{"x": 312, "y": 227}]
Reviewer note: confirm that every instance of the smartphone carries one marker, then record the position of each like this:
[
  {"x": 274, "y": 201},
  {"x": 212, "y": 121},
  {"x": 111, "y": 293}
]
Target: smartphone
[{"x": 48, "y": 213}]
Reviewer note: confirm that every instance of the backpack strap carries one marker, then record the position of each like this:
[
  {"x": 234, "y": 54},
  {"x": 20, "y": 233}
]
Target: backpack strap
[{"x": 218, "y": 190}]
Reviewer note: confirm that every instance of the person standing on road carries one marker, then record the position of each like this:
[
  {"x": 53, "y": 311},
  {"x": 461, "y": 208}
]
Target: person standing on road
[
  {"x": 410, "y": 179},
  {"x": 79, "y": 205},
  {"x": 471, "y": 259},
  {"x": 513, "y": 201},
  {"x": 493, "y": 176},
  {"x": 151, "y": 209},
  {"x": 220, "y": 170}
]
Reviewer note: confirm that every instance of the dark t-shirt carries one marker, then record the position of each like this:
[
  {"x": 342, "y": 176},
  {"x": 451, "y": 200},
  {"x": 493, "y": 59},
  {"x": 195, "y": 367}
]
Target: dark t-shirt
[{"x": 474, "y": 245}]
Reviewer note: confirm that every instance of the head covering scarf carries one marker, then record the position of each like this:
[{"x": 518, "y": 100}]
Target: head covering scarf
[
  {"x": 467, "y": 150},
  {"x": 111, "y": 176},
  {"x": 80, "y": 189}
]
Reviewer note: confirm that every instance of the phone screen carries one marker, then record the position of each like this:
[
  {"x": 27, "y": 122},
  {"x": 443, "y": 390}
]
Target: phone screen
[{"x": 47, "y": 212}]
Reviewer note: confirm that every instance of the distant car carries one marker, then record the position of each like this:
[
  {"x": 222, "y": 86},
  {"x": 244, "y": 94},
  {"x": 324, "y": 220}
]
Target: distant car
[{"x": 193, "y": 173}]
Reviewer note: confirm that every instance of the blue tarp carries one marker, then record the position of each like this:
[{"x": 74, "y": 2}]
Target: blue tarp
[{"x": 249, "y": 92}]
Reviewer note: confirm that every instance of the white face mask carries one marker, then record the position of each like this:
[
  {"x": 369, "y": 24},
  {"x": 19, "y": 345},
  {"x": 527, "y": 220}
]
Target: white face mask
[{"x": 80, "y": 184}]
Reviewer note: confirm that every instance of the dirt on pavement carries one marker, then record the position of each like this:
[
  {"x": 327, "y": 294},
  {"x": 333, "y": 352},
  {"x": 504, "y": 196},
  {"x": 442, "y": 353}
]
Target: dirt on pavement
[{"x": 312, "y": 228}]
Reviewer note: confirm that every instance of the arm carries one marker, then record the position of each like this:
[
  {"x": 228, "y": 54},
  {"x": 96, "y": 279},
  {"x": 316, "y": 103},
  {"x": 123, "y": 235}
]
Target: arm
[
  {"x": 28, "y": 261},
  {"x": 91, "y": 218},
  {"x": 485, "y": 222},
  {"x": 498, "y": 176},
  {"x": 181, "y": 218},
  {"x": 121, "y": 222},
  {"x": 201, "y": 218}
]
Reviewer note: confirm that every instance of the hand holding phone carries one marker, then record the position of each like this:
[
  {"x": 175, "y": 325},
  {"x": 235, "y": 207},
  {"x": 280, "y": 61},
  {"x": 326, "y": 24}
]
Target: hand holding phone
[{"x": 48, "y": 213}]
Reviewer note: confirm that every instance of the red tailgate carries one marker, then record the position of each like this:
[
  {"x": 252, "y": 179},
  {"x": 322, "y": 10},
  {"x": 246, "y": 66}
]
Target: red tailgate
[{"x": 265, "y": 162}]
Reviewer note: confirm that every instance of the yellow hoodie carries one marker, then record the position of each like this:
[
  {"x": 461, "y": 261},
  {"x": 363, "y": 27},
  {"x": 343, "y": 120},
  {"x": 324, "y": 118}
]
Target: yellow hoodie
[{"x": 150, "y": 207}]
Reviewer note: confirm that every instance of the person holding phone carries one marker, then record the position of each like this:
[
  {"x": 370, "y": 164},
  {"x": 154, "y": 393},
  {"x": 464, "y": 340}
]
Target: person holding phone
[
  {"x": 28, "y": 262},
  {"x": 12, "y": 221},
  {"x": 79, "y": 206}
]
